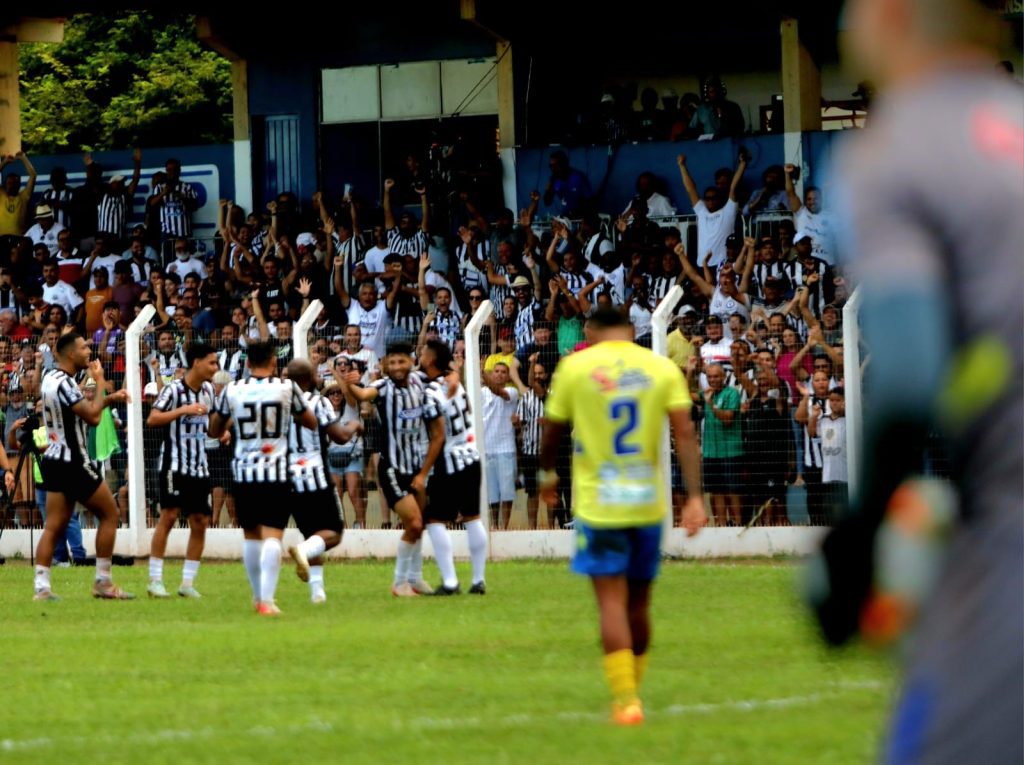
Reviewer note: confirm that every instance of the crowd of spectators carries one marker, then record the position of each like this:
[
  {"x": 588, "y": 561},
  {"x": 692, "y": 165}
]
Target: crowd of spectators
[{"x": 757, "y": 330}]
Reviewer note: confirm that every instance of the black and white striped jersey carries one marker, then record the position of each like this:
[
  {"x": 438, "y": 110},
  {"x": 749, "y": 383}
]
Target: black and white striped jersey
[
  {"x": 762, "y": 272},
  {"x": 175, "y": 212},
  {"x": 59, "y": 201},
  {"x": 404, "y": 412},
  {"x": 525, "y": 320},
  {"x": 576, "y": 282},
  {"x": 414, "y": 245},
  {"x": 261, "y": 411},
  {"x": 531, "y": 414},
  {"x": 112, "y": 214},
  {"x": 818, "y": 295},
  {"x": 471, "y": 276},
  {"x": 306, "y": 448},
  {"x": 233, "y": 362},
  {"x": 812, "y": 446},
  {"x": 354, "y": 252},
  {"x": 169, "y": 364},
  {"x": 67, "y": 434},
  {"x": 460, "y": 450},
  {"x": 408, "y": 314},
  {"x": 183, "y": 449},
  {"x": 658, "y": 287},
  {"x": 448, "y": 327},
  {"x": 501, "y": 291}
]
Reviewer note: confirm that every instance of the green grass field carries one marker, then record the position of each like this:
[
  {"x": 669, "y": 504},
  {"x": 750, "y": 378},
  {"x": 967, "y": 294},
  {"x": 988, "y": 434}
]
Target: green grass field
[{"x": 736, "y": 674}]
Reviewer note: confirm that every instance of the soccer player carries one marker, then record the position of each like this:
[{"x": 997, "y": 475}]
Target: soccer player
[
  {"x": 946, "y": 355},
  {"x": 69, "y": 475},
  {"x": 260, "y": 411},
  {"x": 615, "y": 396},
  {"x": 454, "y": 488},
  {"x": 317, "y": 512},
  {"x": 183, "y": 410},
  {"x": 408, "y": 455}
]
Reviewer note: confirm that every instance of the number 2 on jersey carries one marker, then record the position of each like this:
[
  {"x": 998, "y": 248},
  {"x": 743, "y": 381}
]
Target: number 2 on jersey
[
  {"x": 624, "y": 409},
  {"x": 269, "y": 421}
]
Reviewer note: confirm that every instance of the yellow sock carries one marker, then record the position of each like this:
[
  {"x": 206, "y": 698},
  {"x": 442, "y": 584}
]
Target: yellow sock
[
  {"x": 639, "y": 668},
  {"x": 620, "y": 671}
]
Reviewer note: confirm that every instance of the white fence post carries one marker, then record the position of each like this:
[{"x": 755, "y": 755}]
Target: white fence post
[
  {"x": 659, "y": 344},
  {"x": 300, "y": 337},
  {"x": 852, "y": 380},
  {"x": 136, "y": 456},
  {"x": 474, "y": 388}
]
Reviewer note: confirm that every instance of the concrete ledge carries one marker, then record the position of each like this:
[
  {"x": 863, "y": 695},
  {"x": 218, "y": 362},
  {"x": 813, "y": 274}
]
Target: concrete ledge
[{"x": 226, "y": 544}]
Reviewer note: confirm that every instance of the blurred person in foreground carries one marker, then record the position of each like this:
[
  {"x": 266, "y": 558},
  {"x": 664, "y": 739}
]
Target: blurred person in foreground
[
  {"x": 946, "y": 354},
  {"x": 615, "y": 396}
]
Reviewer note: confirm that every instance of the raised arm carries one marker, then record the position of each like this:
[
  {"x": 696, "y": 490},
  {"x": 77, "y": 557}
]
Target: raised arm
[
  {"x": 257, "y": 311},
  {"x": 706, "y": 288},
  {"x": 158, "y": 419},
  {"x": 794, "y": 200},
  {"x": 741, "y": 167},
  {"x": 688, "y": 184},
  {"x": 421, "y": 282},
  {"x": 474, "y": 213},
  {"x": 748, "y": 268},
  {"x": 31, "y": 185},
  {"x": 684, "y": 436},
  {"x": 133, "y": 184},
  {"x": 389, "y": 217},
  {"x": 424, "y": 209},
  {"x": 92, "y": 411},
  {"x": 391, "y": 300}
]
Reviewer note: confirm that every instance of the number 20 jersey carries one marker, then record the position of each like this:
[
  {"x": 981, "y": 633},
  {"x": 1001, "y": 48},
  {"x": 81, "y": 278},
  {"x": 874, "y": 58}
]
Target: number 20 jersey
[{"x": 261, "y": 411}]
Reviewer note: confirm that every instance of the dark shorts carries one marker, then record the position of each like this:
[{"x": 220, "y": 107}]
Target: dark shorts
[
  {"x": 373, "y": 435},
  {"x": 185, "y": 493},
  {"x": 450, "y": 495},
  {"x": 634, "y": 553},
  {"x": 76, "y": 481},
  {"x": 721, "y": 475},
  {"x": 317, "y": 511},
  {"x": 395, "y": 485},
  {"x": 529, "y": 464},
  {"x": 263, "y": 504}
]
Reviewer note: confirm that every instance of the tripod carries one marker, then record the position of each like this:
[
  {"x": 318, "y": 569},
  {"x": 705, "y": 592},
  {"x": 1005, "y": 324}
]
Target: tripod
[{"x": 8, "y": 500}]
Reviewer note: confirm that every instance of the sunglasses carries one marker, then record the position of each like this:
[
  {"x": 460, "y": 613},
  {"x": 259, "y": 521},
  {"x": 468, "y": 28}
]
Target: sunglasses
[{"x": 475, "y": 298}]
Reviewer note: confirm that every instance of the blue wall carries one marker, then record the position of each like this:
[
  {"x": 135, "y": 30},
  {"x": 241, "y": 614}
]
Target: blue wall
[
  {"x": 616, "y": 171},
  {"x": 211, "y": 169}
]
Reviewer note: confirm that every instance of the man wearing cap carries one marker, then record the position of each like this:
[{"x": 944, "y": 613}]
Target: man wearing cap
[
  {"x": 767, "y": 265},
  {"x": 14, "y": 201},
  {"x": 811, "y": 272},
  {"x": 717, "y": 348},
  {"x": 45, "y": 230},
  {"x": 116, "y": 200}
]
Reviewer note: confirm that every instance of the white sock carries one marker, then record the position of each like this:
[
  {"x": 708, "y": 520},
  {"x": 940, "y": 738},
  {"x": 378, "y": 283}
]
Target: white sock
[
  {"x": 477, "y": 548},
  {"x": 442, "y": 541},
  {"x": 42, "y": 578},
  {"x": 416, "y": 562},
  {"x": 270, "y": 568},
  {"x": 402, "y": 561},
  {"x": 251, "y": 549},
  {"x": 316, "y": 580},
  {"x": 156, "y": 569},
  {"x": 188, "y": 574},
  {"x": 103, "y": 569},
  {"x": 314, "y": 547}
]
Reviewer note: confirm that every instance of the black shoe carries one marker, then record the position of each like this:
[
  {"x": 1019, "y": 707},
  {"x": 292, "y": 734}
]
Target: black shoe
[
  {"x": 442, "y": 590},
  {"x": 83, "y": 562},
  {"x": 478, "y": 589},
  {"x": 122, "y": 560}
]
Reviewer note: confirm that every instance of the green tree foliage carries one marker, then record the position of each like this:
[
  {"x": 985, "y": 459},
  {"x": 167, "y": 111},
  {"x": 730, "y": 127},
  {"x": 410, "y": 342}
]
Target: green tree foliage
[{"x": 123, "y": 80}]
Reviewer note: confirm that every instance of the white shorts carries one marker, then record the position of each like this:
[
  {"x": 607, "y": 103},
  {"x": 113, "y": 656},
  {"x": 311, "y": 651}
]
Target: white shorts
[{"x": 501, "y": 478}]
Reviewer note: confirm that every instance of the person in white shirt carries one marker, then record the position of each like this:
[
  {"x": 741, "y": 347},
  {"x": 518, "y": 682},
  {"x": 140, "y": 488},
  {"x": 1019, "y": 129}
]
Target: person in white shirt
[
  {"x": 46, "y": 230},
  {"x": 811, "y": 218},
  {"x": 717, "y": 348},
  {"x": 374, "y": 260},
  {"x": 184, "y": 262},
  {"x": 499, "y": 404},
  {"x": 716, "y": 218},
  {"x": 830, "y": 427},
  {"x": 658, "y": 205},
  {"x": 56, "y": 292},
  {"x": 370, "y": 313},
  {"x": 100, "y": 257}
]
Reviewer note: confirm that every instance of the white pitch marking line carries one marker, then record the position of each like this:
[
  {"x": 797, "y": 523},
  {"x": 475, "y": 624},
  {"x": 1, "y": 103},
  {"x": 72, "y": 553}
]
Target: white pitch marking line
[{"x": 447, "y": 723}]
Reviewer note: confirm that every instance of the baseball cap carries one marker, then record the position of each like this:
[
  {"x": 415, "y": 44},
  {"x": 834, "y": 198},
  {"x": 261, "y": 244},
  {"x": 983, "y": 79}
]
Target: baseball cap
[
  {"x": 801, "y": 234},
  {"x": 116, "y": 178},
  {"x": 712, "y": 319},
  {"x": 221, "y": 377},
  {"x": 150, "y": 389},
  {"x": 305, "y": 240}
]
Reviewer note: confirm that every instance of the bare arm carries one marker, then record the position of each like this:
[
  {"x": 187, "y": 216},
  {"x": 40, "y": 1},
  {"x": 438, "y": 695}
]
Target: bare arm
[
  {"x": 688, "y": 184},
  {"x": 424, "y": 211},
  {"x": 496, "y": 388},
  {"x": 389, "y": 217},
  {"x": 421, "y": 282},
  {"x": 794, "y": 200},
  {"x": 725, "y": 416},
  {"x": 92, "y": 411},
  {"x": 741, "y": 166},
  {"x": 748, "y": 268},
  {"x": 136, "y": 172},
  {"x": 158, "y": 419},
  {"x": 342, "y": 433},
  {"x": 703, "y": 284},
  {"x": 31, "y": 185},
  {"x": 694, "y": 513}
]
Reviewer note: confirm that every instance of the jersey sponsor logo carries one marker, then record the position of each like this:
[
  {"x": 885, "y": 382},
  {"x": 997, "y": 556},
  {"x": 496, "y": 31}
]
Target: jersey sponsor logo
[{"x": 411, "y": 414}]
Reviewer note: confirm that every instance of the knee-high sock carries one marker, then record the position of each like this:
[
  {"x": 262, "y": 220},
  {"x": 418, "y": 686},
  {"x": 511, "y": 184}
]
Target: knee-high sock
[
  {"x": 416, "y": 561},
  {"x": 477, "y": 548},
  {"x": 621, "y": 675},
  {"x": 251, "y": 550},
  {"x": 442, "y": 543},
  {"x": 402, "y": 561},
  {"x": 316, "y": 579},
  {"x": 314, "y": 547},
  {"x": 270, "y": 568}
]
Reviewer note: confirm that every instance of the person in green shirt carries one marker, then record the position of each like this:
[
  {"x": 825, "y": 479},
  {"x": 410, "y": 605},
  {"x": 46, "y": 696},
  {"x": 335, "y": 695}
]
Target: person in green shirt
[{"x": 722, "y": 446}]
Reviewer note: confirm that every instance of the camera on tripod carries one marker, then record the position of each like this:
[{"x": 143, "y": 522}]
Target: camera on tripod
[{"x": 25, "y": 438}]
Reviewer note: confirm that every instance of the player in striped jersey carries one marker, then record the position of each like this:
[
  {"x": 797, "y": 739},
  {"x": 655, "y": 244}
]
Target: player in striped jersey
[
  {"x": 183, "y": 411},
  {"x": 318, "y": 512},
  {"x": 454, "y": 487},
  {"x": 69, "y": 475},
  {"x": 260, "y": 410},
  {"x": 408, "y": 455}
]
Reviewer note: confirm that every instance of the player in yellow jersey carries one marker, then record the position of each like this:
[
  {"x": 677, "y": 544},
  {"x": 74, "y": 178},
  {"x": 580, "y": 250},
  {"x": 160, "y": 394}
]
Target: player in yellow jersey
[{"x": 615, "y": 397}]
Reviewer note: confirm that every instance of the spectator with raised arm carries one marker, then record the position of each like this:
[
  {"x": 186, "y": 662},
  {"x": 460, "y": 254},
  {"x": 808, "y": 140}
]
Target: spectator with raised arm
[
  {"x": 115, "y": 200},
  {"x": 499, "y": 405},
  {"x": 716, "y": 217},
  {"x": 408, "y": 236},
  {"x": 14, "y": 200},
  {"x": 811, "y": 218},
  {"x": 58, "y": 196},
  {"x": 445, "y": 319},
  {"x": 176, "y": 200},
  {"x": 727, "y": 297},
  {"x": 812, "y": 273}
]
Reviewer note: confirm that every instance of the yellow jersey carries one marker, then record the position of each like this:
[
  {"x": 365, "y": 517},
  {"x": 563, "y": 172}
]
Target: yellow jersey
[{"x": 616, "y": 396}]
